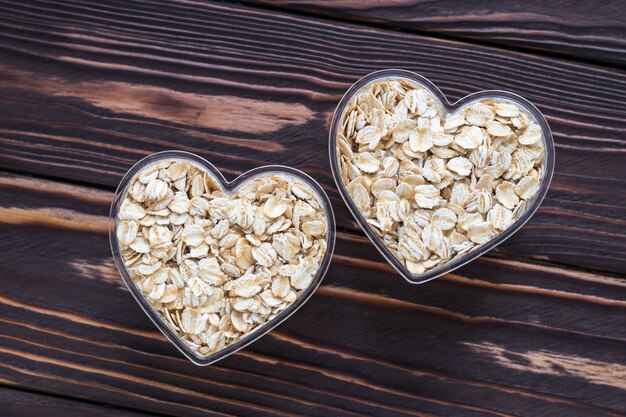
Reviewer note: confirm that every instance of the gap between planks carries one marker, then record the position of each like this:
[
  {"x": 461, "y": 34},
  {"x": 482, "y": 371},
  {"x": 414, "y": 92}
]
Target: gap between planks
[
  {"x": 6, "y": 384},
  {"x": 287, "y": 10},
  {"x": 285, "y": 337}
]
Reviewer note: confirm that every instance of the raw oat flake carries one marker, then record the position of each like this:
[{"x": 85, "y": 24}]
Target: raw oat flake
[
  {"x": 435, "y": 186},
  {"x": 217, "y": 266}
]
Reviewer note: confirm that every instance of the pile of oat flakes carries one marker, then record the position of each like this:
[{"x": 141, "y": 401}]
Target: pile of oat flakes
[
  {"x": 215, "y": 266},
  {"x": 435, "y": 186}
]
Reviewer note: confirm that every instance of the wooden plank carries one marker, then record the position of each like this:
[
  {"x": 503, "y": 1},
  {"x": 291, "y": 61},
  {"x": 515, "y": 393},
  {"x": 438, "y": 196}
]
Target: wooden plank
[
  {"x": 497, "y": 338},
  {"x": 88, "y": 89},
  {"x": 590, "y": 30},
  {"x": 16, "y": 403}
]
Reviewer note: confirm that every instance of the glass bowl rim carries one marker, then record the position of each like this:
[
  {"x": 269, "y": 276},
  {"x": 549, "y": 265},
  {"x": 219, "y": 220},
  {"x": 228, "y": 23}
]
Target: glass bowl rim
[
  {"x": 230, "y": 187},
  {"x": 446, "y": 107}
]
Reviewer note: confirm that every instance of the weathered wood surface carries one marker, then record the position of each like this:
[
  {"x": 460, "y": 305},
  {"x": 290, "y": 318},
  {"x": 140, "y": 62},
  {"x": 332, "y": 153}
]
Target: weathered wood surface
[
  {"x": 16, "y": 403},
  {"x": 87, "y": 89},
  {"x": 497, "y": 338},
  {"x": 587, "y": 30}
]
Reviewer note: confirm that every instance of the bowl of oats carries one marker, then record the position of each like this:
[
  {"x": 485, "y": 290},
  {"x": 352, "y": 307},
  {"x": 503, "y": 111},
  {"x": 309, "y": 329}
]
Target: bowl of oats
[
  {"x": 217, "y": 264},
  {"x": 435, "y": 184}
]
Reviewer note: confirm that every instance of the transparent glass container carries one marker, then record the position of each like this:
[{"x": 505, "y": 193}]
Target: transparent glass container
[
  {"x": 445, "y": 108},
  {"x": 230, "y": 188}
]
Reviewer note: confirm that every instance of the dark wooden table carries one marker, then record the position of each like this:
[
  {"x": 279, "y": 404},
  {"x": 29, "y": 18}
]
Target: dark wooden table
[{"x": 534, "y": 328}]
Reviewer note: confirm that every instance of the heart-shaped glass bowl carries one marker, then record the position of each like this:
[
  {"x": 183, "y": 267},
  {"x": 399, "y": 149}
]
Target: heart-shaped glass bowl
[
  {"x": 229, "y": 188},
  {"x": 445, "y": 107}
]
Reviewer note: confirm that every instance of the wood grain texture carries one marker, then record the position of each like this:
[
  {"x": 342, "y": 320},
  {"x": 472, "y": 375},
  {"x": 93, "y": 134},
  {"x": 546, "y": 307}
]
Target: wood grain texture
[
  {"x": 587, "y": 30},
  {"x": 497, "y": 338},
  {"x": 16, "y": 403},
  {"x": 87, "y": 89}
]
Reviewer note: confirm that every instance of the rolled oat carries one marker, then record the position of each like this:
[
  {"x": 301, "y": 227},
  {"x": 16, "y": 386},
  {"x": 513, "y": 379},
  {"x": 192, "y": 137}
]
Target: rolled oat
[
  {"x": 434, "y": 186},
  {"x": 217, "y": 266}
]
